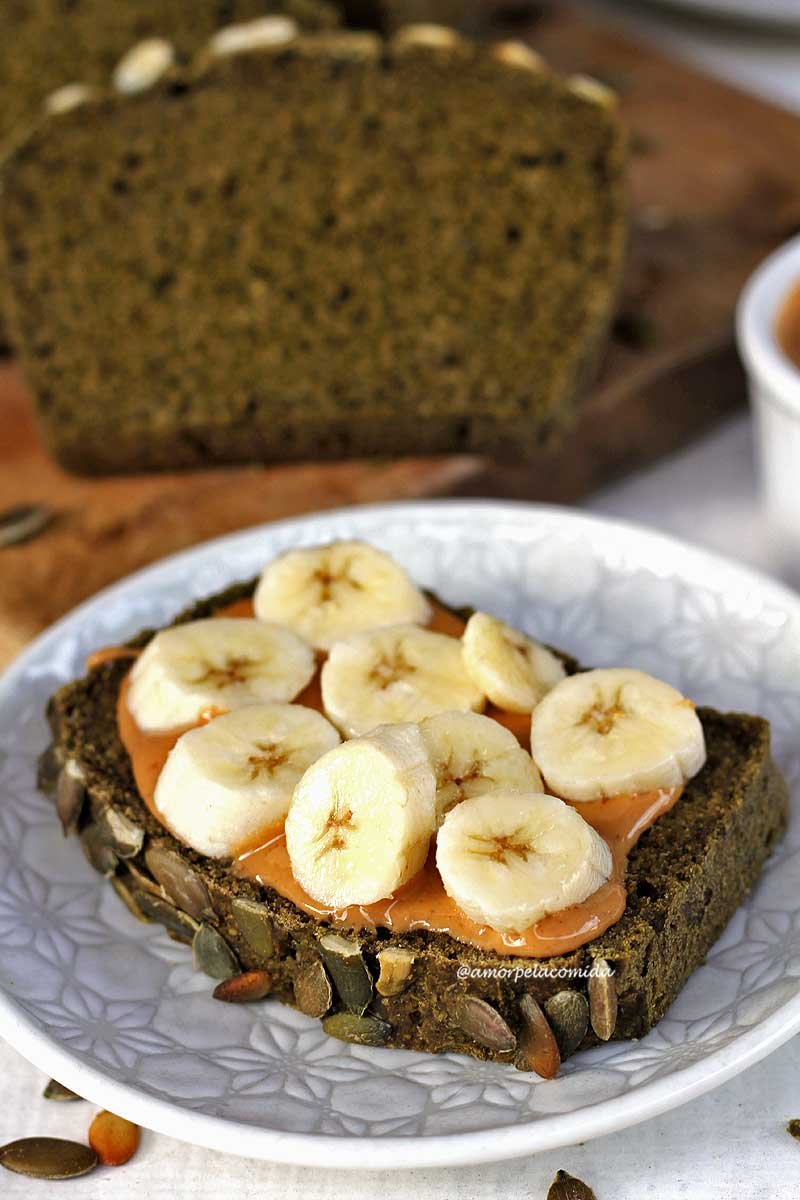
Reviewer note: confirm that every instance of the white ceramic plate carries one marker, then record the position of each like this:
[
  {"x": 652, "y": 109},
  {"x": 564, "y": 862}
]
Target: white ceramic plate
[
  {"x": 758, "y": 12},
  {"x": 114, "y": 1010}
]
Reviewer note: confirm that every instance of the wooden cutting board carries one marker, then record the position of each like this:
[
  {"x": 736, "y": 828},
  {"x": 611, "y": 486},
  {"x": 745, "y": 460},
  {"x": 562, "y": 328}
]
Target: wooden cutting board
[{"x": 714, "y": 187}]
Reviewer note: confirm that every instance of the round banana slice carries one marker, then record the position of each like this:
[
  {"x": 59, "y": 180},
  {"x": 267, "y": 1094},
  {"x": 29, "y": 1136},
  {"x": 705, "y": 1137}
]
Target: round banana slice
[
  {"x": 220, "y": 663},
  {"x": 329, "y": 592},
  {"x": 613, "y": 732},
  {"x": 509, "y": 858},
  {"x": 512, "y": 669},
  {"x": 227, "y": 782},
  {"x": 361, "y": 818},
  {"x": 388, "y": 676},
  {"x": 472, "y": 754}
]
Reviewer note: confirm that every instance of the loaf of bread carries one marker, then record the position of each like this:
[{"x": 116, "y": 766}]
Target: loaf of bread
[{"x": 327, "y": 248}]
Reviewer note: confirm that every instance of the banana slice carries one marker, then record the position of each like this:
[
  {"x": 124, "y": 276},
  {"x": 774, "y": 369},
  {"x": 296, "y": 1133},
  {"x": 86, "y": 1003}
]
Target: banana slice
[
  {"x": 361, "y": 818},
  {"x": 229, "y": 781},
  {"x": 513, "y": 670},
  {"x": 613, "y": 732},
  {"x": 329, "y": 592},
  {"x": 220, "y": 663},
  {"x": 393, "y": 675},
  {"x": 472, "y": 754},
  {"x": 509, "y": 858}
]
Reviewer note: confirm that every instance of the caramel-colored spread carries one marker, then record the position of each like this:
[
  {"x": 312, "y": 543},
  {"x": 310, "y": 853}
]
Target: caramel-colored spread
[
  {"x": 787, "y": 325},
  {"x": 422, "y": 903},
  {"x": 109, "y": 654}
]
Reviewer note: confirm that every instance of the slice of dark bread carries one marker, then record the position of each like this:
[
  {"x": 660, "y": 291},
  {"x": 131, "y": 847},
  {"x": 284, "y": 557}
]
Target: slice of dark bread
[
  {"x": 686, "y": 877},
  {"x": 339, "y": 247}
]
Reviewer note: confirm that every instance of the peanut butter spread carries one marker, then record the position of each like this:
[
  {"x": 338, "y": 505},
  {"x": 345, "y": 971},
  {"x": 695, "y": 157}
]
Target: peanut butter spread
[{"x": 422, "y": 903}]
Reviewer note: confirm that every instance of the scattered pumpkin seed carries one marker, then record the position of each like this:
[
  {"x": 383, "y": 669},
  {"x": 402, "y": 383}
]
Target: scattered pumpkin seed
[
  {"x": 213, "y": 955},
  {"x": 128, "y": 899},
  {"x": 48, "y": 769},
  {"x": 113, "y": 1139},
  {"x": 175, "y": 921},
  {"x": 568, "y": 1014},
  {"x": 602, "y": 999},
  {"x": 567, "y": 1187},
  {"x": 182, "y": 885},
  {"x": 313, "y": 993},
  {"x": 348, "y": 970},
  {"x": 98, "y": 851},
  {"x": 254, "y": 924},
  {"x": 122, "y": 835},
  {"x": 483, "y": 1024},
  {"x": 57, "y": 1091},
  {"x": 362, "y": 1030},
  {"x": 70, "y": 796},
  {"x": 23, "y": 522},
  {"x": 395, "y": 967},
  {"x": 537, "y": 1049},
  {"x": 241, "y": 989},
  {"x": 47, "y": 1158}
]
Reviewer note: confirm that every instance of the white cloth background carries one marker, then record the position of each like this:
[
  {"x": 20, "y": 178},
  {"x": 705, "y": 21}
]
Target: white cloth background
[{"x": 730, "y": 1144}]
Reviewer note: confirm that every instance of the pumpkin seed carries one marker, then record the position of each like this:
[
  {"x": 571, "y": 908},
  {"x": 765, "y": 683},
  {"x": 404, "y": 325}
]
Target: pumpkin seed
[
  {"x": 123, "y": 835},
  {"x": 70, "y": 796},
  {"x": 241, "y": 989},
  {"x": 348, "y": 970},
  {"x": 98, "y": 851},
  {"x": 602, "y": 999},
  {"x": 537, "y": 1049},
  {"x": 426, "y": 36},
  {"x": 182, "y": 885},
  {"x": 213, "y": 955},
  {"x": 175, "y": 921},
  {"x": 567, "y": 1187},
  {"x": 254, "y": 924},
  {"x": 57, "y": 1091},
  {"x": 395, "y": 967},
  {"x": 127, "y": 898},
  {"x": 47, "y": 1158},
  {"x": 363, "y": 1031},
  {"x": 568, "y": 1014},
  {"x": 483, "y": 1024},
  {"x": 356, "y": 46},
  {"x": 142, "y": 880},
  {"x": 313, "y": 993},
  {"x": 23, "y": 522},
  {"x": 48, "y": 769}
]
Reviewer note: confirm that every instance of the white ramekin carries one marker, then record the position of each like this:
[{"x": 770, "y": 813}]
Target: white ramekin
[{"x": 774, "y": 388}]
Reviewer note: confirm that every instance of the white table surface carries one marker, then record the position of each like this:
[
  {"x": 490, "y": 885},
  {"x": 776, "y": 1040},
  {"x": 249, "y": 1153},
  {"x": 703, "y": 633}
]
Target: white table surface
[{"x": 728, "y": 1145}]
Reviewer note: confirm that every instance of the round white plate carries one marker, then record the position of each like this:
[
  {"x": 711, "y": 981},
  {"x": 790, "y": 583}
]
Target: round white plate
[
  {"x": 114, "y": 1010},
  {"x": 756, "y": 12}
]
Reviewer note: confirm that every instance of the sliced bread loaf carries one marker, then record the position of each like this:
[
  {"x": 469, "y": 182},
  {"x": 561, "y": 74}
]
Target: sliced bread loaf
[
  {"x": 333, "y": 248},
  {"x": 423, "y": 989}
]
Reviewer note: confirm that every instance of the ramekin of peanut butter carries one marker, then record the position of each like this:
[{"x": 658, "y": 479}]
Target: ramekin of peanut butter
[{"x": 768, "y": 335}]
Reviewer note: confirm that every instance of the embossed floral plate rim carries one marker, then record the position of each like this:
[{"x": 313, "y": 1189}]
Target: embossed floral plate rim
[{"x": 629, "y": 548}]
